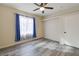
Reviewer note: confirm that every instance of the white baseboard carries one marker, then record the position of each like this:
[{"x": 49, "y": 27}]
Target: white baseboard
[{"x": 16, "y": 43}]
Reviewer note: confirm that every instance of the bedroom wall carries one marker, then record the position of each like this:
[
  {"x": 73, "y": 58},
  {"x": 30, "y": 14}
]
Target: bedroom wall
[
  {"x": 53, "y": 28},
  {"x": 7, "y": 25},
  {"x": 56, "y": 26}
]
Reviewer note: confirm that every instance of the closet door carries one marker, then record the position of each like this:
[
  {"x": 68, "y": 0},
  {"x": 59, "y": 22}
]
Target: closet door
[{"x": 71, "y": 33}]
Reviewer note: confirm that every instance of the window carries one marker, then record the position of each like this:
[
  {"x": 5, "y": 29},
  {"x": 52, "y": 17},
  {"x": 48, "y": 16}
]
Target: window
[{"x": 26, "y": 27}]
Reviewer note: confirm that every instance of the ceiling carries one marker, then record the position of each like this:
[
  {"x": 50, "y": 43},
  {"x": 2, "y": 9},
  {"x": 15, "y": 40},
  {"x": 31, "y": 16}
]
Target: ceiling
[{"x": 58, "y": 8}]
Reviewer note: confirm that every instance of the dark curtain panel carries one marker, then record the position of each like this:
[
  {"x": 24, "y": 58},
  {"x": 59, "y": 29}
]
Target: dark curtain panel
[
  {"x": 34, "y": 28},
  {"x": 17, "y": 28}
]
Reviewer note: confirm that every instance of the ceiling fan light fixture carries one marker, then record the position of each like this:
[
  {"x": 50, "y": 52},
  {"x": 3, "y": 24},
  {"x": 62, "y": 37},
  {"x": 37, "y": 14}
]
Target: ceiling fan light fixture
[{"x": 42, "y": 9}]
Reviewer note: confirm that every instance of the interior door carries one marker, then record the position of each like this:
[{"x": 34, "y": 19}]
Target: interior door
[{"x": 71, "y": 33}]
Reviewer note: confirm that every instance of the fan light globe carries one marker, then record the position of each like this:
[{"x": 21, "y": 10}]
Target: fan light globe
[{"x": 42, "y": 8}]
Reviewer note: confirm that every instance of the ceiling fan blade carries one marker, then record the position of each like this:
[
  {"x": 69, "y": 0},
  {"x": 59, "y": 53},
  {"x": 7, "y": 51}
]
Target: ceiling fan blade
[
  {"x": 43, "y": 12},
  {"x": 37, "y": 4},
  {"x": 36, "y": 9},
  {"x": 49, "y": 7},
  {"x": 41, "y": 4},
  {"x": 45, "y": 4}
]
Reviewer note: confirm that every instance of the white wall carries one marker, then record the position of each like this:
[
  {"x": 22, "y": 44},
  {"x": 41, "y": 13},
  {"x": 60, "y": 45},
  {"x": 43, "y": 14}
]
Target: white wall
[
  {"x": 56, "y": 26},
  {"x": 53, "y": 28}
]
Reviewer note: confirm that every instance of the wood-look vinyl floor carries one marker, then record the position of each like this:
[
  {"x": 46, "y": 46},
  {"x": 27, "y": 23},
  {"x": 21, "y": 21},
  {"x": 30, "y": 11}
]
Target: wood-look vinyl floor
[{"x": 40, "y": 48}]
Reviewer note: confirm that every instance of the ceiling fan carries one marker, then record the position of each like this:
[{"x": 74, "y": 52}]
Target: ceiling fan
[{"x": 42, "y": 7}]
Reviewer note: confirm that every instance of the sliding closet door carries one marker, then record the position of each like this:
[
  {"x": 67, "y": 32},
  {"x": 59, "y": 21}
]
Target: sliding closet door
[{"x": 71, "y": 32}]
